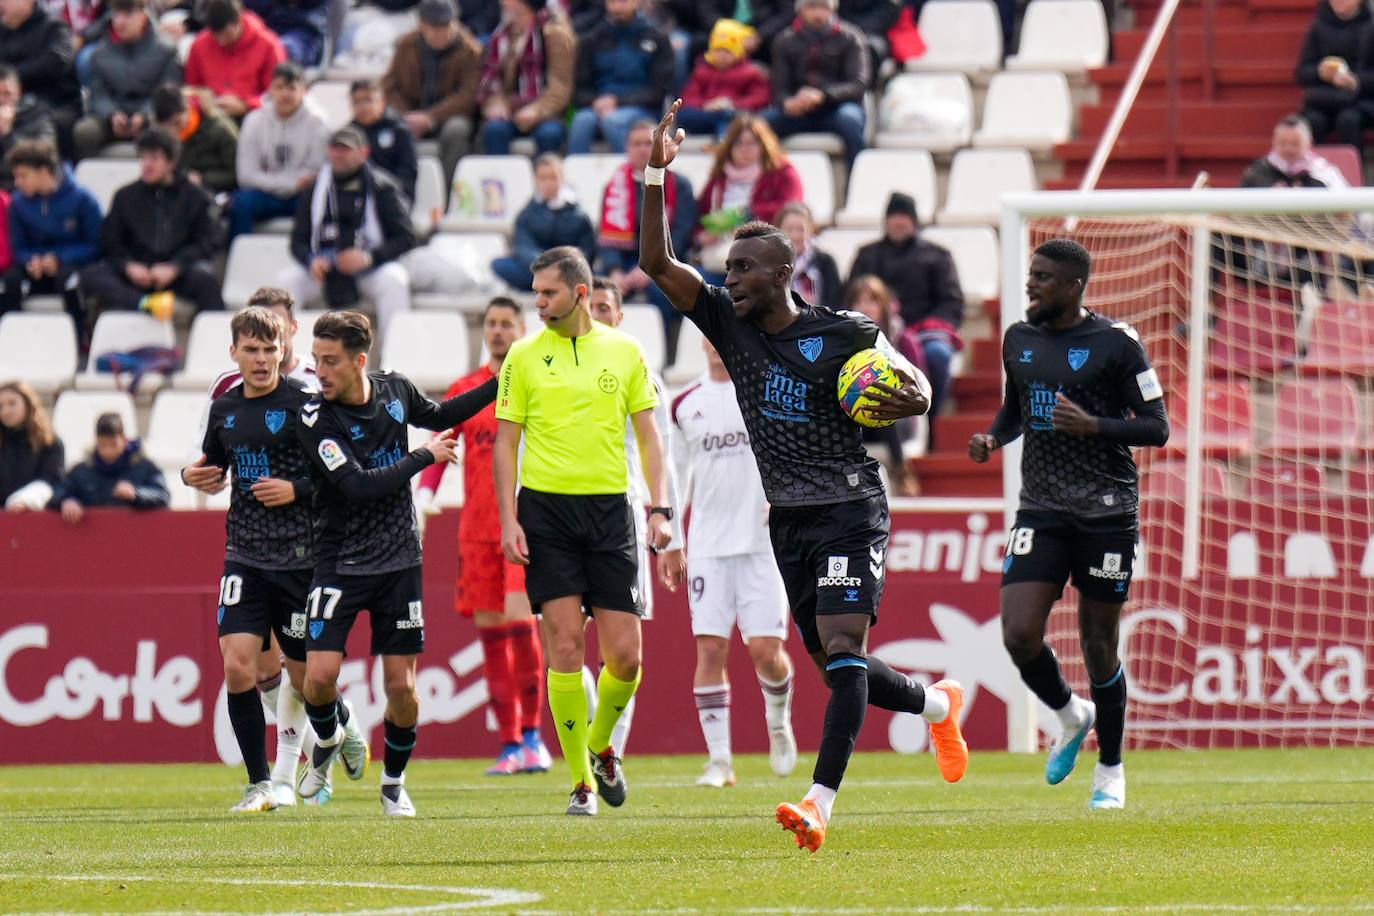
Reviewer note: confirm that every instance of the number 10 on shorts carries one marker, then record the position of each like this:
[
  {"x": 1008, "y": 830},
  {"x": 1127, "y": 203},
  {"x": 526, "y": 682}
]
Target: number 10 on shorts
[
  {"x": 330, "y": 597},
  {"x": 1020, "y": 542}
]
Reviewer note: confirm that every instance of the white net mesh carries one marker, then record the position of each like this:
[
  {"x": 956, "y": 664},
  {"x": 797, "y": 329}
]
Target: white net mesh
[{"x": 1269, "y": 643}]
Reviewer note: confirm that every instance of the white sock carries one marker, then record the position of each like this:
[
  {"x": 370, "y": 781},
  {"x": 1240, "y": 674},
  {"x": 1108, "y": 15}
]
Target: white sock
[
  {"x": 268, "y": 691},
  {"x": 777, "y": 700},
  {"x": 589, "y": 688},
  {"x": 291, "y": 730},
  {"x": 713, "y": 709},
  {"x": 824, "y": 798},
  {"x": 388, "y": 780},
  {"x": 1072, "y": 713},
  {"x": 620, "y": 734},
  {"x": 937, "y": 705}
]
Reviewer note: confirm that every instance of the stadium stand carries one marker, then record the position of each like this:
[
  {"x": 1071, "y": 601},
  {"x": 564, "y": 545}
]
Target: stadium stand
[
  {"x": 879, "y": 172},
  {"x": 124, "y": 332},
  {"x": 429, "y": 348},
  {"x": 1031, "y": 110},
  {"x": 962, "y": 36},
  {"x": 1065, "y": 35},
  {"x": 926, "y": 111},
  {"x": 488, "y": 193},
  {"x": 39, "y": 348},
  {"x": 207, "y": 352},
  {"x": 73, "y": 419}
]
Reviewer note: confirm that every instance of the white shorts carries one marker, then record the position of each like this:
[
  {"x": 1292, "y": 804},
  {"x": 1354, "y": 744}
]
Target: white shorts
[{"x": 744, "y": 590}]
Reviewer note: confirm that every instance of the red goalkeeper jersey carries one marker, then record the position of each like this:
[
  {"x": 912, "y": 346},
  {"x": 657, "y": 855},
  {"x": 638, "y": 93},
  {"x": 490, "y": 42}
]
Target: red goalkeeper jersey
[{"x": 481, "y": 520}]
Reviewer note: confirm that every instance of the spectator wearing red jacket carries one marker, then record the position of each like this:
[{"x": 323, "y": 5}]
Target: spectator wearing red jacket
[
  {"x": 724, "y": 82},
  {"x": 234, "y": 57}
]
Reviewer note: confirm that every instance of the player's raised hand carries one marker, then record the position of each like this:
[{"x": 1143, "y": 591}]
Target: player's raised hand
[
  {"x": 911, "y": 400},
  {"x": 514, "y": 545},
  {"x": 444, "y": 448},
  {"x": 981, "y": 446},
  {"x": 207, "y": 479},
  {"x": 672, "y": 569},
  {"x": 1068, "y": 417},
  {"x": 272, "y": 492},
  {"x": 667, "y": 138}
]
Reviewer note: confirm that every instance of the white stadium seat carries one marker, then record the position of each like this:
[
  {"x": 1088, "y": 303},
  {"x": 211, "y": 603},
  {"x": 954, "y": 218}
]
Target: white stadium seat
[
  {"x": 977, "y": 180},
  {"x": 1065, "y": 35},
  {"x": 879, "y": 172},
  {"x": 173, "y": 427},
  {"x": 927, "y": 111},
  {"x": 331, "y": 101},
  {"x": 488, "y": 193},
  {"x": 207, "y": 352},
  {"x": 429, "y": 348},
  {"x": 122, "y": 332},
  {"x": 40, "y": 348},
  {"x": 471, "y": 254},
  {"x": 1032, "y": 110},
  {"x": 690, "y": 363},
  {"x": 696, "y": 168},
  {"x": 102, "y": 177},
  {"x": 964, "y": 36},
  {"x": 843, "y": 245},
  {"x": 818, "y": 184},
  {"x": 429, "y": 196},
  {"x": 254, "y": 260},
  {"x": 645, "y": 324},
  {"x": 977, "y": 258},
  {"x": 74, "y": 416},
  {"x": 587, "y": 175}
]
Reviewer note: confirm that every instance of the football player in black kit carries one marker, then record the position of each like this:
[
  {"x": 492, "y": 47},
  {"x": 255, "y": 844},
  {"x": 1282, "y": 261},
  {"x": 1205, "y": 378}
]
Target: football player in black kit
[
  {"x": 1082, "y": 392},
  {"x": 367, "y": 544},
  {"x": 829, "y": 519}
]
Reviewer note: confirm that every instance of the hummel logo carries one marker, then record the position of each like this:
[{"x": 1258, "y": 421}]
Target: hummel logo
[
  {"x": 548, "y": 360},
  {"x": 569, "y": 723}
]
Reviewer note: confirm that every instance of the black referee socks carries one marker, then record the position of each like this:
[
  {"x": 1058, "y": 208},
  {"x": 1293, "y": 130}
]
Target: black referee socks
[
  {"x": 844, "y": 716},
  {"x": 1046, "y": 681},
  {"x": 1111, "y": 717}
]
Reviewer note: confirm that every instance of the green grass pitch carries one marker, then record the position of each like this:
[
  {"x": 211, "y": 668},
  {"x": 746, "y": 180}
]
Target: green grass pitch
[{"x": 1275, "y": 831}]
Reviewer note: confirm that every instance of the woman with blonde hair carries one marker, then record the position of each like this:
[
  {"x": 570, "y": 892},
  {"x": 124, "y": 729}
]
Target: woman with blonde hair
[{"x": 31, "y": 456}]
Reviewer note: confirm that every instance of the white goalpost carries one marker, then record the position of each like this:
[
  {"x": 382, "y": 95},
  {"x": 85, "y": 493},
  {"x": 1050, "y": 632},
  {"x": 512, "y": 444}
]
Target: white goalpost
[{"x": 1251, "y": 618}]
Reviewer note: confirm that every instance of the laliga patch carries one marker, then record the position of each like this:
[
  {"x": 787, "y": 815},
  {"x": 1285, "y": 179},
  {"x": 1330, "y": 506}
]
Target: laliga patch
[
  {"x": 331, "y": 455},
  {"x": 1150, "y": 389}
]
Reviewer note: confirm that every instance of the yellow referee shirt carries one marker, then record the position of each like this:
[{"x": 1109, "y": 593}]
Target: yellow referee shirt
[{"x": 573, "y": 395}]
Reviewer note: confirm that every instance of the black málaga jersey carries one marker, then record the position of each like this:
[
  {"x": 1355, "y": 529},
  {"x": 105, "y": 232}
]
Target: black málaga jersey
[
  {"x": 361, "y": 456},
  {"x": 255, "y": 438},
  {"x": 1101, "y": 366},
  {"x": 809, "y": 452}
]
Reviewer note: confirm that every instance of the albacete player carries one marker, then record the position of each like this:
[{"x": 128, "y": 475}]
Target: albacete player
[{"x": 1081, "y": 390}]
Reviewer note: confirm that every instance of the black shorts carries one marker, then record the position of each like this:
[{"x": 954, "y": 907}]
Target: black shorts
[
  {"x": 831, "y": 559},
  {"x": 261, "y": 601},
  {"x": 1099, "y": 553},
  {"x": 393, "y": 599},
  {"x": 581, "y": 545}
]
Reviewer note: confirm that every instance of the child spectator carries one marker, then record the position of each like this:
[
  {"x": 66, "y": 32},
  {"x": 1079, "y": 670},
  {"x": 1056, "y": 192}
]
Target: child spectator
[
  {"x": 724, "y": 82},
  {"x": 116, "y": 473},
  {"x": 551, "y": 218}
]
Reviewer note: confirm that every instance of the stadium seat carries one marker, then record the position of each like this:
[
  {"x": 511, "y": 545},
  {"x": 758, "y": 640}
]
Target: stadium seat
[
  {"x": 1287, "y": 482},
  {"x": 1228, "y": 424},
  {"x": 879, "y": 172},
  {"x": 1065, "y": 35},
  {"x": 645, "y": 324},
  {"x": 691, "y": 358},
  {"x": 488, "y": 193},
  {"x": 429, "y": 348},
  {"x": 472, "y": 253},
  {"x": 207, "y": 352},
  {"x": 818, "y": 184},
  {"x": 977, "y": 258},
  {"x": 43, "y": 304},
  {"x": 696, "y": 168},
  {"x": 1315, "y": 417},
  {"x": 74, "y": 416},
  {"x": 587, "y": 175},
  {"x": 1255, "y": 333},
  {"x": 829, "y": 142},
  {"x": 926, "y": 111},
  {"x": 428, "y": 208},
  {"x": 122, "y": 332},
  {"x": 303, "y": 341},
  {"x": 40, "y": 348},
  {"x": 1168, "y": 480},
  {"x": 963, "y": 36},
  {"x": 843, "y": 245},
  {"x": 102, "y": 177},
  {"x": 977, "y": 180},
  {"x": 254, "y": 260},
  {"x": 330, "y": 100},
  {"x": 1031, "y": 110},
  {"x": 173, "y": 428},
  {"x": 1344, "y": 157},
  {"x": 1342, "y": 339}
]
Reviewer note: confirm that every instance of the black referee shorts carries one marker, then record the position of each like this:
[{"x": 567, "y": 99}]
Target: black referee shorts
[
  {"x": 261, "y": 601},
  {"x": 581, "y": 545},
  {"x": 1097, "y": 553},
  {"x": 832, "y": 560}
]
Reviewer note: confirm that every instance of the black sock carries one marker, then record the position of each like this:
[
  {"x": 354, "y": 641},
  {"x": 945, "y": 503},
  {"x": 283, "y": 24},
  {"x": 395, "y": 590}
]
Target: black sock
[
  {"x": 888, "y": 689},
  {"x": 324, "y": 718},
  {"x": 1111, "y": 717},
  {"x": 250, "y": 727},
  {"x": 341, "y": 710},
  {"x": 400, "y": 741},
  {"x": 844, "y": 716},
  {"x": 1043, "y": 677}
]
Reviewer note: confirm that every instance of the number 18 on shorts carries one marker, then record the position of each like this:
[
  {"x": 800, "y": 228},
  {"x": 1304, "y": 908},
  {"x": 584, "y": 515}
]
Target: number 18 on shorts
[{"x": 1097, "y": 554}]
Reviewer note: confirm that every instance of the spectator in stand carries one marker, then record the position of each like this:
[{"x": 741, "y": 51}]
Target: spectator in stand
[
  {"x": 724, "y": 82},
  {"x": 157, "y": 239},
  {"x": 820, "y": 75},
  {"x": 527, "y": 78},
  {"x": 925, "y": 283},
  {"x": 585, "y": 14},
  {"x": 432, "y": 81},
  {"x": 6, "y": 252},
  {"x": 54, "y": 227},
  {"x": 126, "y": 66},
  {"x": 815, "y": 276},
  {"x": 750, "y": 179},
  {"x": 624, "y": 69},
  {"x": 1330, "y": 67},
  {"x": 116, "y": 473},
  {"x": 22, "y": 117},
  {"x": 281, "y": 149},
  {"x": 871, "y": 297},
  {"x": 235, "y": 57},
  {"x": 391, "y": 143},
  {"x": 40, "y": 49},
  {"x": 209, "y": 140},
  {"x": 300, "y": 25},
  {"x": 621, "y": 205},
  {"x": 551, "y": 218},
  {"x": 1291, "y": 163},
  {"x": 874, "y": 19},
  {"x": 696, "y": 21},
  {"x": 31, "y": 457},
  {"x": 89, "y": 21},
  {"x": 349, "y": 232}
]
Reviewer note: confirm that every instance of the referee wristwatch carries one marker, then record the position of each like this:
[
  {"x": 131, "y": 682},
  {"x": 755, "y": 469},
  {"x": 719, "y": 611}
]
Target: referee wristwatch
[{"x": 665, "y": 511}]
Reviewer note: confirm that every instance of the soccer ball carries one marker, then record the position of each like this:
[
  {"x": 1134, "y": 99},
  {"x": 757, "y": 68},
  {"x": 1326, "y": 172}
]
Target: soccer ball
[{"x": 859, "y": 373}]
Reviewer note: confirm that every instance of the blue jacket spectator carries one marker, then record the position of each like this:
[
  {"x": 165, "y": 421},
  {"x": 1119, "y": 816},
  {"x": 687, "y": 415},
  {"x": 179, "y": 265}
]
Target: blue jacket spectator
[
  {"x": 300, "y": 24},
  {"x": 116, "y": 473},
  {"x": 625, "y": 68},
  {"x": 551, "y": 218}
]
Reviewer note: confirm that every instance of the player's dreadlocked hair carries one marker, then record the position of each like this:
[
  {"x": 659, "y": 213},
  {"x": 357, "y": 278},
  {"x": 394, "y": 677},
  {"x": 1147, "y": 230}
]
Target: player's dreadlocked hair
[
  {"x": 758, "y": 229},
  {"x": 1069, "y": 252}
]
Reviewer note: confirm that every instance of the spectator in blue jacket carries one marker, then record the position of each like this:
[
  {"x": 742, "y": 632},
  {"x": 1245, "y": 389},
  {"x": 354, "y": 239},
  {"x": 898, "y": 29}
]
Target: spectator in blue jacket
[
  {"x": 625, "y": 69},
  {"x": 551, "y": 218},
  {"x": 300, "y": 24},
  {"x": 116, "y": 473},
  {"x": 54, "y": 228}
]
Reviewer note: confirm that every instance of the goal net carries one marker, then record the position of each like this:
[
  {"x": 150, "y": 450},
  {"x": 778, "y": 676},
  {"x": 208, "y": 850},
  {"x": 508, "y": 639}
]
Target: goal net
[{"x": 1251, "y": 619}]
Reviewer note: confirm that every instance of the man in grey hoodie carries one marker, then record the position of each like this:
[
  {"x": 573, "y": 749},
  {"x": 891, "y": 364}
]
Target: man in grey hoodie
[{"x": 281, "y": 148}]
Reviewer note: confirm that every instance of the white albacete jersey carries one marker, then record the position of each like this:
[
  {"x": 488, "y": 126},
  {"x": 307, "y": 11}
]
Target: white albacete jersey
[
  {"x": 729, "y": 509},
  {"x": 639, "y": 487}
]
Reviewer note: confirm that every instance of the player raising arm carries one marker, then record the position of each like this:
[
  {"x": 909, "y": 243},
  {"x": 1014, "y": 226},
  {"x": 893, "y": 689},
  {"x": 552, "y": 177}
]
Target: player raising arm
[
  {"x": 829, "y": 521},
  {"x": 1081, "y": 390}
]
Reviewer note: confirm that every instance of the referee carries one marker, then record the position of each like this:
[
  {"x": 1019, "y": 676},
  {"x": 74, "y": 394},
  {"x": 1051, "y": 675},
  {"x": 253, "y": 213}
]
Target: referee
[{"x": 569, "y": 391}]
